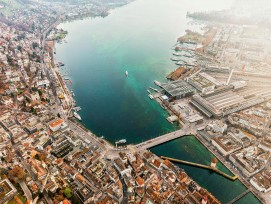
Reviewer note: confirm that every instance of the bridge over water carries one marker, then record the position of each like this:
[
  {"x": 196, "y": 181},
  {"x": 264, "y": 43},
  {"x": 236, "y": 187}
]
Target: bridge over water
[
  {"x": 239, "y": 197},
  {"x": 186, "y": 130},
  {"x": 233, "y": 178}
]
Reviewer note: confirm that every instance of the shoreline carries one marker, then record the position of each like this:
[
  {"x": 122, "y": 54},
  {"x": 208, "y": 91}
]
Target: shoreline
[
  {"x": 68, "y": 92},
  {"x": 156, "y": 155},
  {"x": 166, "y": 104},
  {"x": 232, "y": 170}
]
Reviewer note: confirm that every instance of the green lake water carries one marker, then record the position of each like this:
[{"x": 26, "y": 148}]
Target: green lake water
[{"x": 138, "y": 38}]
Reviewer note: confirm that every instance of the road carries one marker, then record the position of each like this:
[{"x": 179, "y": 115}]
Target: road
[
  {"x": 86, "y": 135},
  {"x": 187, "y": 129},
  {"x": 26, "y": 190}
]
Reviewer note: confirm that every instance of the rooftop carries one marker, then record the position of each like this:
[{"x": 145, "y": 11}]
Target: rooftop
[
  {"x": 178, "y": 87},
  {"x": 56, "y": 122}
]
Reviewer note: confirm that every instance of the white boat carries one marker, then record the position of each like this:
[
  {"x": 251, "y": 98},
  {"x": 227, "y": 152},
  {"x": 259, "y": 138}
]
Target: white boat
[
  {"x": 157, "y": 83},
  {"x": 122, "y": 141},
  {"x": 154, "y": 89},
  {"x": 151, "y": 96},
  {"x": 77, "y": 116},
  {"x": 148, "y": 91},
  {"x": 126, "y": 73},
  {"x": 77, "y": 108},
  {"x": 175, "y": 59}
]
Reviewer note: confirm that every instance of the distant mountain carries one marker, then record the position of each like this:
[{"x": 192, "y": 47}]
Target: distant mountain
[{"x": 243, "y": 12}]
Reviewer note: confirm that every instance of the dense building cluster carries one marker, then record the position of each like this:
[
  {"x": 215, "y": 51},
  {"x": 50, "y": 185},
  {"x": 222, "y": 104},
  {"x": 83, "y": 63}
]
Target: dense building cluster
[
  {"x": 224, "y": 96},
  {"x": 46, "y": 155}
]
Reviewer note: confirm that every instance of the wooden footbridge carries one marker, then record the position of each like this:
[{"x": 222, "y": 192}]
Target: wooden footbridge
[
  {"x": 233, "y": 178},
  {"x": 239, "y": 197}
]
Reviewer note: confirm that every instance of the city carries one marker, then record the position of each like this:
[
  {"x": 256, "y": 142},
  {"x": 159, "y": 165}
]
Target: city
[{"x": 219, "y": 93}]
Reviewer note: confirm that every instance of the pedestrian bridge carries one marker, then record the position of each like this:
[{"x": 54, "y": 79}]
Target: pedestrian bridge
[
  {"x": 164, "y": 138},
  {"x": 233, "y": 178}
]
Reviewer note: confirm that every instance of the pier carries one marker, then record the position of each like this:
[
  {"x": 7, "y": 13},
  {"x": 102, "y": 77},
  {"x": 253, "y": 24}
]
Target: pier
[
  {"x": 239, "y": 197},
  {"x": 233, "y": 178}
]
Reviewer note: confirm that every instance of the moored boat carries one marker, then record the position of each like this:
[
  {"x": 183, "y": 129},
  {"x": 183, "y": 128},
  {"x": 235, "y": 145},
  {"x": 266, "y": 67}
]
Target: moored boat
[
  {"x": 77, "y": 116},
  {"x": 157, "y": 83},
  {"x": 77, "y": 108},
  {"x": 122, "y": 141},
  {"x": 154, "y": 89}
]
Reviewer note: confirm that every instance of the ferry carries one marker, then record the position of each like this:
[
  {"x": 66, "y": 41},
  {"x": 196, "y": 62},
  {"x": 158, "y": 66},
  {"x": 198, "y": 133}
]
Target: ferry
[
  {"x": 126, "y": 73},
  {"x": 151, "y": 96},
  {"x": 122, "y": 141},
  {"x": 77, "y": 116},
  {"x": 157, "y": 83}
]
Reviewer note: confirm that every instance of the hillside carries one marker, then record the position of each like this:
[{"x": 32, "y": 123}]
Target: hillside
[{"x": 7, "y": 6}]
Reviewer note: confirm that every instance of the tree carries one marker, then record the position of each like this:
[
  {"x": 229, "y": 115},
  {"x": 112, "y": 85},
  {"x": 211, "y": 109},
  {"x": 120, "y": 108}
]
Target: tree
[
  {"x": 17, "y": 200},
  {"x": 40, "y": 157},
  {"x": 17, "y": 172},
  {"x": 40, "y": 92},
  {"x": 3, "y": 171},
  {"x": 40, "y": 194},
  {"x": 75, "y": 200},
  {"x": 34, "y": 89},
  {"x": 68, "y": 193},
  {"x": 28, "y": 100},
  {"x": 33, "y": 110},
  {"x": 35, "y": 44},
  {"x": 58, "y": 199},
  {"x": 19, "y": 48}
]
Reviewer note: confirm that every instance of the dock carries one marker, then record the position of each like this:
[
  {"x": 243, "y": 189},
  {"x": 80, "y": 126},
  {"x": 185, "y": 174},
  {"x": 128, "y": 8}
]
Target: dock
[{"x": 233, "y": 178}]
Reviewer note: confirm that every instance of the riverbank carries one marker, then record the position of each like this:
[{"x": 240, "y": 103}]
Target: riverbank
[{"x": 190, "y": 149}]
